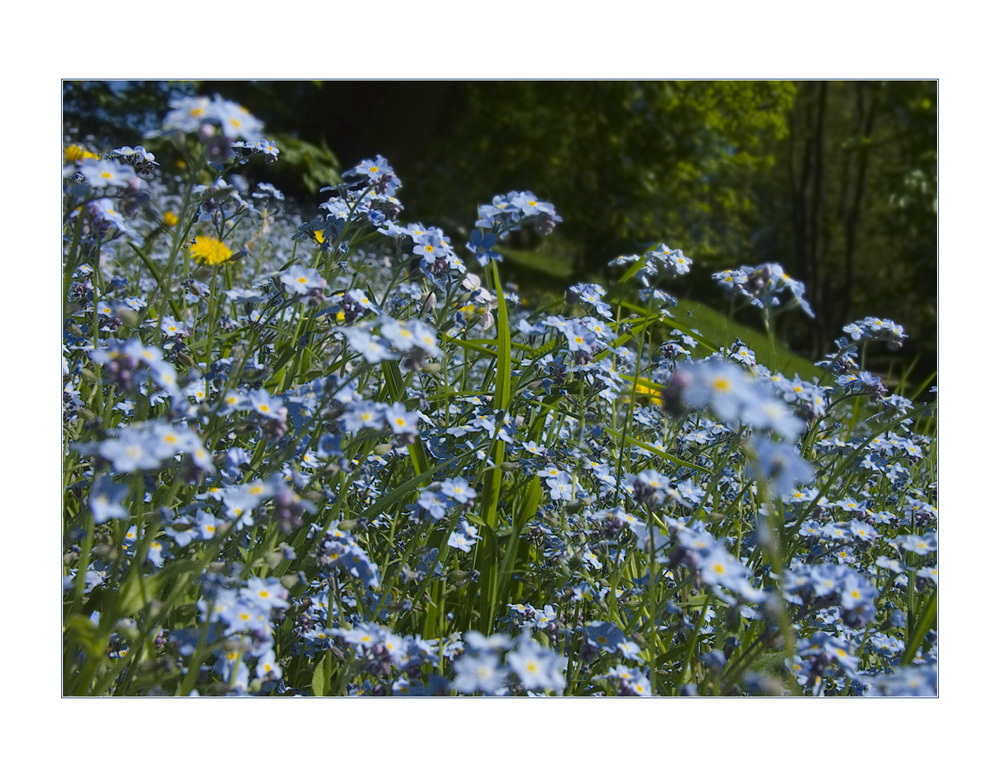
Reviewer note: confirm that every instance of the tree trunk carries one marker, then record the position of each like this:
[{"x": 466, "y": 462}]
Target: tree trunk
[{"x": 867, "y": 119}]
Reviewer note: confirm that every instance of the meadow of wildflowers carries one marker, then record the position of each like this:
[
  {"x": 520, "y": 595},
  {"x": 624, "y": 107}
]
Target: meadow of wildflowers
[{"x": 331, "y": 453}]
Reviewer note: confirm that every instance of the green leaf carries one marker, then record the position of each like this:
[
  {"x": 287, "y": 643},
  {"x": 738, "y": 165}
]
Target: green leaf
[
  {"x": 529, "y": 506},
  {"x": 486, "y": 563},
  {"x": 502, "y": 397},
  {"x": 470, "y": 345},
  {"x": 137, "y": 591},
  {"x": 491, "y": 490},
  {"x": 927, "y": 619},
  {"x": 397, "y": 495},
  {"x": 82, "y": 631},
  {"x": 321, "y": 679},
  {"x": 393, "y": 378}
]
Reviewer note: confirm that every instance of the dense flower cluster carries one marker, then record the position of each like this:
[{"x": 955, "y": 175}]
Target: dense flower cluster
[
  {"x": 763, "y": 285},
  {"x": 312, "y": 454}
]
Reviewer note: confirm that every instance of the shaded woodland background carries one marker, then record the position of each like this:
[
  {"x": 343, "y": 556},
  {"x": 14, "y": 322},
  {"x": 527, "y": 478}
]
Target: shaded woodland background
[{"x": 836, "y": 181}]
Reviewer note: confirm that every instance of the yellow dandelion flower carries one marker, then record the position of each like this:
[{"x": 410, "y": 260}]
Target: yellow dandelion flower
[
  {"x": 208, "y": 250},
  {"x": 170, "y": 218},
  {"x": 643, "y": 389},
  {"x": 77, "y": 153}
]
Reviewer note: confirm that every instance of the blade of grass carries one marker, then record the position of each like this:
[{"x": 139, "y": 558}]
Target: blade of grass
[
  {"x": 924, "y": 623},
  {"x": 159, "y": 280},
  {"x": 486, "y": 556},
  {"x": 662, "y": 454},
  {"x": 396, "y": 495},
  {"x": 502, "y": 399},
  {"x": 532, "y": 498},
  {"x": 418, "y": 455}
]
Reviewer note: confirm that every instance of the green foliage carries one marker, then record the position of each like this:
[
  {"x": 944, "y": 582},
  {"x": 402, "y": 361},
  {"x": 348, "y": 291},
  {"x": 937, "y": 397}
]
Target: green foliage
[
  {"x": 851, "y": 210},
  {"x": 627, "y": 162},
  {"x": 315, "y": 166}
]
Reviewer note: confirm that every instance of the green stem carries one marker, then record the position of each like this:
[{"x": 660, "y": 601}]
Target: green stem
[{"x": 164, "y": 290}]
